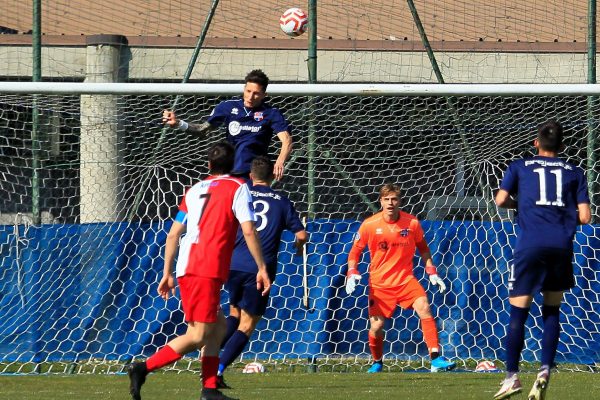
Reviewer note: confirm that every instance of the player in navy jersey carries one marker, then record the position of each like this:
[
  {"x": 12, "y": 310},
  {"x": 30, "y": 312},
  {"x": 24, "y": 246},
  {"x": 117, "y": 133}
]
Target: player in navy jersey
[
  {"x": 275, "y": 213},
  {"x": 250, "y": 123},
  {"x": 211, "y": 212},
  {"x": 551, "y": 199}
]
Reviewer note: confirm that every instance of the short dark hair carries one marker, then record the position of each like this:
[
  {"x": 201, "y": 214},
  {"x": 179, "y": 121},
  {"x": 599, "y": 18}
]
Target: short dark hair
[
  {"x": 221, "y": 157},
  {"x": 550, "y": 136},
  {"x": 258, "y": 77},
  {"x": 389, "y": 188},
  {"x": 262, "y": 169}
]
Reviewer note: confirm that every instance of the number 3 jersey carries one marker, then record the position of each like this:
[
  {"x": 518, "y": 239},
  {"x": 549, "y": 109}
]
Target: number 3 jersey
[
  {"x": 548, "y": 191},
  {"x": 212, "y": 211},
  {"x": 274, "y": 214}
]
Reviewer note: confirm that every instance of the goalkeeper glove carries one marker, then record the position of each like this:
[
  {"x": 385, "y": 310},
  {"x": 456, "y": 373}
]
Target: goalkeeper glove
[
  {"x": 434, "y": 278},
  {"x": 351, "y": 281}
]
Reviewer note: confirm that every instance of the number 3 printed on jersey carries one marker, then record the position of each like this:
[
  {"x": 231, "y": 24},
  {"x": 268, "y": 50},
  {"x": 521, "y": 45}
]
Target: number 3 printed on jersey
[
  {"x": 261, "y": 214},
  {"x": 543, "y": 201}
]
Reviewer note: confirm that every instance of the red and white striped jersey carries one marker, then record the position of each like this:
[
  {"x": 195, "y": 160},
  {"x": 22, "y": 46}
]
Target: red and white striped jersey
[{"x": 214, "y": 209}]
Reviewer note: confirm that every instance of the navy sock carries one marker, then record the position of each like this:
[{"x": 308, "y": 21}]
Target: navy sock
[
  {"x": 550, "y": 315},
  {"x": 233, "y": 348},
  {"x": 515, "y": 338},
  {"x": 232, "y": 325}
]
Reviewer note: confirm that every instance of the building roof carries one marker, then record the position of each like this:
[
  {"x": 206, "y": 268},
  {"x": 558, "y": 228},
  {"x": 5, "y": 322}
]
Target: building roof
[{"x": 444, "y": 20}]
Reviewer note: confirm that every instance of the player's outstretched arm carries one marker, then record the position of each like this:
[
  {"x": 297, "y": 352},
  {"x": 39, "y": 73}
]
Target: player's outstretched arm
[
  {"x": 284, "y": 154},
  {"x": 253, "y": 241},
  {"x": 171, "y": 120},
  {"x": 167, "y": 283}
]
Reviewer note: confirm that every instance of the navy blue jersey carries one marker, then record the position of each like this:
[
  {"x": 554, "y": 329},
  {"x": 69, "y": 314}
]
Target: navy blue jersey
[
  {"x": 274, "y": 213},
  {"x": 548, "y": 191},
  {"x": 248, "y": 130}
]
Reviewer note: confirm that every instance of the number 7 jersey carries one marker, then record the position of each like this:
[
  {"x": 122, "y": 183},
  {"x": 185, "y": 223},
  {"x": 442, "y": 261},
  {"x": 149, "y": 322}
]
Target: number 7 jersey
[
  {"x": 548, "y": 191},
  {"x": 212, "y": 211}
]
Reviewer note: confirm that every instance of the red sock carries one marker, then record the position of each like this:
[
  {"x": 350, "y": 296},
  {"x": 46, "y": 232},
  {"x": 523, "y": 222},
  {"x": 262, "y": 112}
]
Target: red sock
[
  {"x": 376, "y": 346},
  {"x": 164, "y": 356},
  {"x": 430, "y": 334},
  {"x": 210, "y": 365}
]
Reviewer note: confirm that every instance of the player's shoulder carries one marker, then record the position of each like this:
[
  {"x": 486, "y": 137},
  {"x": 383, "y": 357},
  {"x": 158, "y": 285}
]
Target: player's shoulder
[
  {"x": 373, "y": 220},
  {"x": 519, "y": 162},
  {"x": 225, "y": 181},
  {"x": 266, "y": 106},
  {"x": 231, "y": 104},
  {"x": 407, "y": 216},
  {"x": 408, "y": 220}
]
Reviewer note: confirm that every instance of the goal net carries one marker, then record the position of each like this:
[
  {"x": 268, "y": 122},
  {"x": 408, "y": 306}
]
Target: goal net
[{"x": 90, "y": 182}]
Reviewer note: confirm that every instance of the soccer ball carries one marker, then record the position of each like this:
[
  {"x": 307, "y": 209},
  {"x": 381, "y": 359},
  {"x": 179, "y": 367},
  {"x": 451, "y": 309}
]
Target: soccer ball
[
  {"x": 253, "y": 368},
  {"x": 486, "y": 366},
  {"x": 293, "y": 22}
]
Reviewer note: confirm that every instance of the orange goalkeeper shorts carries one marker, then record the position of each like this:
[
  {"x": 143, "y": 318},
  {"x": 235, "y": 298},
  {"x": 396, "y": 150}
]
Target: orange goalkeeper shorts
[
  {"x": 383, "y": 302},
  {"x": 200, "y": 298}
]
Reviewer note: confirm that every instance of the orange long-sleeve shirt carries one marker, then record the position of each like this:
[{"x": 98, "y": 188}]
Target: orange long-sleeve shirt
[{"x": 392, "y": 247}]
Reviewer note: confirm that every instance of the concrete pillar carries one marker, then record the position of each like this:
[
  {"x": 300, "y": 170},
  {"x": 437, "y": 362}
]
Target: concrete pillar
[{"x": 99, "y": 180}]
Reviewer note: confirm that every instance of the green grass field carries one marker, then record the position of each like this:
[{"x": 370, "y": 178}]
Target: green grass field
[{"x": 295, "y": 386}]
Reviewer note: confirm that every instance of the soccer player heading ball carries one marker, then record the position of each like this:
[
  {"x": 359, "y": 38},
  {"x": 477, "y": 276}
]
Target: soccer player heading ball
[
  {"x": 250, "y": 123},
  {"x": 392, "y": 237},
  {"x": 552, "y": 200}
]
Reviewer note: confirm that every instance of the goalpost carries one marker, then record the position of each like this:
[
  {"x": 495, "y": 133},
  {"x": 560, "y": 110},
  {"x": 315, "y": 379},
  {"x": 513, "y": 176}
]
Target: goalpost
[{"x": 88, "y": 191}]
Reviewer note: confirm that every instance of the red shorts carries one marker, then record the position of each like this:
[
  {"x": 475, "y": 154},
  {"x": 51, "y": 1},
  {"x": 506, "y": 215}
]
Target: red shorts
[
  {"x": 383, "y": 302},
  {"x": 200, "y": 298}
]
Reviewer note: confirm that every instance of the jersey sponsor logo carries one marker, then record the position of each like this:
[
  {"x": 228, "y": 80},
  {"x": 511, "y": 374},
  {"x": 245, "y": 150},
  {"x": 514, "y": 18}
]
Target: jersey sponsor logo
[
  {"x": 383, "y": 245},
  {"x": 258, "y": 116},
  {"x": 234, "y": 111},
  {"x": 547, "y": 163},
  {"x": 235, "y": 128},
  {"x": 275, "y": 196}
]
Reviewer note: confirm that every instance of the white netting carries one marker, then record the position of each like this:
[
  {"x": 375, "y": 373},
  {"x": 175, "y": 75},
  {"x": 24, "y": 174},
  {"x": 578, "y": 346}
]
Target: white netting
[{"x": 88, "y": 193}]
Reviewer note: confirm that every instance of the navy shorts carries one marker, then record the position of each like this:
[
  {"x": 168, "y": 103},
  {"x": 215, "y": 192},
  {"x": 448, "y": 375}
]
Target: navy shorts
[
  {"x": 543, "y": 269},
  {"x": 243, "y": 293}
]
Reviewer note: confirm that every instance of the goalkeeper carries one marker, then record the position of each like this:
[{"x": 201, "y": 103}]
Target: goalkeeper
[{"x": 393, "y": 237}]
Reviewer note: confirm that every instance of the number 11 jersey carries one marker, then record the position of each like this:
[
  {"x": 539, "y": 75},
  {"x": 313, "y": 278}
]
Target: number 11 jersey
[{"x": 547, "y": 191}]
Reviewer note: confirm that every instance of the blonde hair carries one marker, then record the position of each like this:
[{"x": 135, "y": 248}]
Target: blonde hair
[{"x": 389, "y": 188}]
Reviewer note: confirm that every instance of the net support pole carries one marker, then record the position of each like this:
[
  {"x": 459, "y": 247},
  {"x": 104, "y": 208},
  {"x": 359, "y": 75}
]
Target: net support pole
[
  {"x": 454, "y": 114},
  {"x": 99, "y": 173},
  {"x": 592, "y": 103},
  {"x": 312, "y": 78},
  {"x": 36, "y": 75},
  {"x": 425, "y": 40},
  {"x": 186, "y": 78}
]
